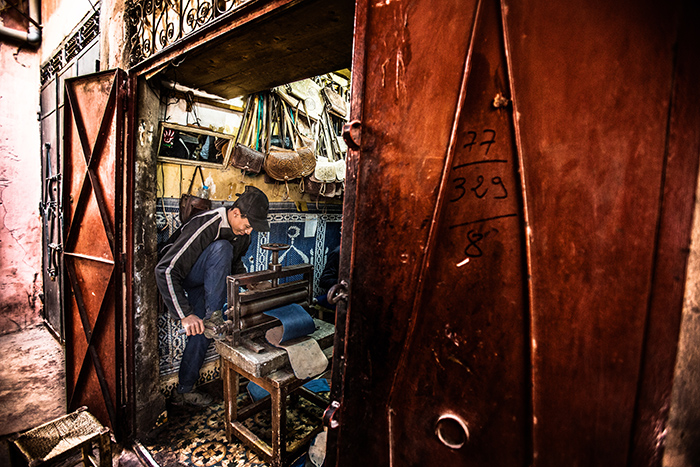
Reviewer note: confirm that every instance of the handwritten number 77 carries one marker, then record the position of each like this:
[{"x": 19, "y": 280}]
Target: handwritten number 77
[{"x": 487, "y": 142}]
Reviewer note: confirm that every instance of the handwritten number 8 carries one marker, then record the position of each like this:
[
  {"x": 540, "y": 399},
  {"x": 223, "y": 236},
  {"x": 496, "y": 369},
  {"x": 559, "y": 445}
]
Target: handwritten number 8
[{"x": 472, "y": 250}]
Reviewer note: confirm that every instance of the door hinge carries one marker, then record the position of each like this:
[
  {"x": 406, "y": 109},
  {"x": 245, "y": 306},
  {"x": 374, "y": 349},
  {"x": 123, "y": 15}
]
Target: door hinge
[{"x": 52, "y": 269}]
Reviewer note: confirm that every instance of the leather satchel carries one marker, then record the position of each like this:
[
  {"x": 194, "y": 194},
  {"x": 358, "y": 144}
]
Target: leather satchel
[
  {"x": 190, "y": 205},
  {"x": 244, "y": 157},
  {"x": 325, "y": 170},
  {"x": 280, "y": 163},
  {"x": 283, "y": 164},
  {"x": 335, "y": 102},
  {"x": 315, "y": 187}
]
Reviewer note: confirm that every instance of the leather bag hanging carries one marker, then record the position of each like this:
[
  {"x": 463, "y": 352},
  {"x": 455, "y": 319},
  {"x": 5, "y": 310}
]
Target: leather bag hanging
[
  {"x": 325, "y": 170},
  {"x": 334, "y": 102},
  {"x": 244, "y": 156},
  {"x": 190, "y": 204},
  {"x": 306, "y": 153},
  {"x": 280, "y": 163},
  {"x": 339, "y": 157},
  {"x": 310, "y": 93},
  {"x": 315, "y": 187}
]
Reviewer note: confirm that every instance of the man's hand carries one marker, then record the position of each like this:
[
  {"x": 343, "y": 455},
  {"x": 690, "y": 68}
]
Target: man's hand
[{"x": 193, "y": 325}]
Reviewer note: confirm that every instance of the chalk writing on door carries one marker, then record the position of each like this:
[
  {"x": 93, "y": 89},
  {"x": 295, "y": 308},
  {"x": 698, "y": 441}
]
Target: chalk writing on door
[{"x": 476, "y": 182}]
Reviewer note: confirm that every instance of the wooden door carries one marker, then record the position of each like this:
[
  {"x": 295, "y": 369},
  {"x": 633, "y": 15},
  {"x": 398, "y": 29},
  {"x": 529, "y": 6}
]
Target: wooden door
[
  {"x": 516, "y": 225},
  {"x": 93, "y": 148}
]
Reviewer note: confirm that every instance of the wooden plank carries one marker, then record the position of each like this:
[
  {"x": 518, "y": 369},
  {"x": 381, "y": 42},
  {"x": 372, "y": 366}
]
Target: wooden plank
[{"x": 260, "y": 47}]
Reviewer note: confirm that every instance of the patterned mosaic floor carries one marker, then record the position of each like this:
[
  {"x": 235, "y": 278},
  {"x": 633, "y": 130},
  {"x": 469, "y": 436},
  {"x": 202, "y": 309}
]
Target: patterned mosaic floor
[{"x": 197, "y": 437}]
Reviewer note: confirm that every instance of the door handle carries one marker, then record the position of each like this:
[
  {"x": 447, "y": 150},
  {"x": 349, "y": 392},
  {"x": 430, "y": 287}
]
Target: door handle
[
  {"x": 352, "y": 134},
  {"x": 452, "y": 431},
  {"x": 338, "y": 292},
  {"x": 330, "y": 415}
]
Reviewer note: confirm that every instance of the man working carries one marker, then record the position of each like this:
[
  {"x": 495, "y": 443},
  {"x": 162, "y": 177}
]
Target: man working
[{"x": 191, "y": 276}]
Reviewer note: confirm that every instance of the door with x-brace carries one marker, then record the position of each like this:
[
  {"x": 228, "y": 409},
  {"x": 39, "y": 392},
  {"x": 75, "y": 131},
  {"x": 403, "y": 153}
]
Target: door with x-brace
[{"x": 93, "y": 210}]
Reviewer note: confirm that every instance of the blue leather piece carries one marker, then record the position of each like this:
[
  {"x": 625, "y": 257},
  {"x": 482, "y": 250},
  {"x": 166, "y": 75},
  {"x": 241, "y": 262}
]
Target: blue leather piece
[
  {"x": 296, "y": 321},
  {"x": 315, "y": 385},
  {"x": 318, "y": 385},
  {"x": 256, "y": 392}
]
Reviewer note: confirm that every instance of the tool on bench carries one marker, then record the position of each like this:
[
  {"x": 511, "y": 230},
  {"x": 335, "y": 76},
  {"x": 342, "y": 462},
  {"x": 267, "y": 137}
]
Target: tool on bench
[{"x": 214, "y": 327}]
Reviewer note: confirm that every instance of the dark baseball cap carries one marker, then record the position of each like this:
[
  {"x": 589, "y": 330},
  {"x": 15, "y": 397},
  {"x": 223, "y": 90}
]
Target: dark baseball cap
[{"x": 253, "y": 204}]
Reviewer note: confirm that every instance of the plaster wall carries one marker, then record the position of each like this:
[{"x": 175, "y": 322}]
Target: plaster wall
[
  {"x": 20, "y": 188},
  {"x": 149, "y": 403},
  {"x": 114, "y": 46},
  {"x": 59, "y": 18}
]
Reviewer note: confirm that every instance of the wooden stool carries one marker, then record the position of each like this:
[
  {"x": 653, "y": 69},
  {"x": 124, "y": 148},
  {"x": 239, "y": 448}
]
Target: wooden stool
[
  {"x": 270, "y": 370},
  {"x": 63, "y": 437}
]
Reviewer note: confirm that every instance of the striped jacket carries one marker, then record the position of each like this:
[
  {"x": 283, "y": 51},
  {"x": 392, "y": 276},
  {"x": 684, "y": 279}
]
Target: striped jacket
[{"x": 183, "y": 249}]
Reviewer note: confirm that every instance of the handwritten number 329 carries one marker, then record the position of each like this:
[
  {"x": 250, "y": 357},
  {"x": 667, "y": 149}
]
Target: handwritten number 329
[{"x": 479, "y": 189}]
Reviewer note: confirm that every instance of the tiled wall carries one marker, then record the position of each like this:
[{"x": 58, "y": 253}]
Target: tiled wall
[{"x": 311, "y": 235}]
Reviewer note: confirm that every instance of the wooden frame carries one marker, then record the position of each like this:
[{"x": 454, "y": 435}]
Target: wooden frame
[{"x": 188, "y": 135}]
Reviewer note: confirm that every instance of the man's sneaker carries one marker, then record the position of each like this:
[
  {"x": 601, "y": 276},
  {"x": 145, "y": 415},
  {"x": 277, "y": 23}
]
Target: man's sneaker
[{"x": 194, "y": 397}]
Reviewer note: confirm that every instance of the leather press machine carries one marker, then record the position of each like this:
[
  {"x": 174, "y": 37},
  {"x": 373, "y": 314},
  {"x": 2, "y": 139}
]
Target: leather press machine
[{"x": 244, "y": 351}]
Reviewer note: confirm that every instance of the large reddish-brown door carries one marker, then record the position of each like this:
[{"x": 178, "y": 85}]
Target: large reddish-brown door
[
  {"x": 93, "y": 210},
  {"x": 516, "y": 225}
]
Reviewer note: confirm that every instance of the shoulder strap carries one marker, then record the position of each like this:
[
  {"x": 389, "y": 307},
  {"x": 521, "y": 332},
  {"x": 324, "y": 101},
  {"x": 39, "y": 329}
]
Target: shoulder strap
[
  {"x": 194, "y": 174},
  {"x": 244, "y": 120}
]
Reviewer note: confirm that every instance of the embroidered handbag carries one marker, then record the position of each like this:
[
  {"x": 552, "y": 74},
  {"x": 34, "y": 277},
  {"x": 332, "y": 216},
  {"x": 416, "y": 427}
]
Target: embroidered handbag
[
  {"x": 309, "y": 92},
  {"x": 280, "y": 163}
]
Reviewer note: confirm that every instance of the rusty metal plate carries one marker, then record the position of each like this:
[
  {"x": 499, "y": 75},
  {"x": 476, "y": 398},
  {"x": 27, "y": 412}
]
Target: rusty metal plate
[{"x": 554, "y": 343}]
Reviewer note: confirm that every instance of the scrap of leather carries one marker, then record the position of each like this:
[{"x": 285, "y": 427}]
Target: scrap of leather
[{"x": 305, "y": 355}]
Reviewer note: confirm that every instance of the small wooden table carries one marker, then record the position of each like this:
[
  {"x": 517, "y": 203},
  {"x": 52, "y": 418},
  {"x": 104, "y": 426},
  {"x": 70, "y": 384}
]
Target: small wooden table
[{"x": 270, "y": 370}]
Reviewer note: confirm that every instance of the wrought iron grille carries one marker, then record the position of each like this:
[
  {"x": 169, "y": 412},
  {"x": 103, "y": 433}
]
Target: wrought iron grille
[
  {"x": 71, "y": 47},
  {"x": 156, "y": 24}
]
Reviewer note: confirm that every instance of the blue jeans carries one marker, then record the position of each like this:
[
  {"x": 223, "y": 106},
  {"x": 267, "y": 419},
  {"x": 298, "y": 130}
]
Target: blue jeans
[{"x": 206, "y": 291}]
